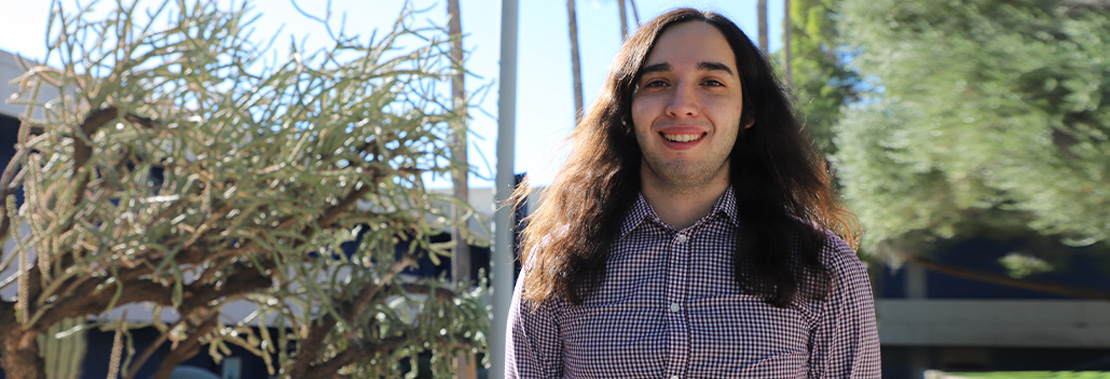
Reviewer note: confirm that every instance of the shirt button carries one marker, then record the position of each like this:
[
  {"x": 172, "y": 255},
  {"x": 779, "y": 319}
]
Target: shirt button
[
  {"x": 675, "y": 307},
  {"x": 681, "y": 238}
]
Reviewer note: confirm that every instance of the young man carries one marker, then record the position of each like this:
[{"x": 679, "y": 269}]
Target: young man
[{"x": 690, "y": 232}]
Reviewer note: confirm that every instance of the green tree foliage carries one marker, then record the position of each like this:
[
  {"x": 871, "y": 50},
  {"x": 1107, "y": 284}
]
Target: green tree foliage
[
  {"x": 821, "y": 80},
  {"x": 181, "y": 170},
  {"x": 984, "y": 115}
]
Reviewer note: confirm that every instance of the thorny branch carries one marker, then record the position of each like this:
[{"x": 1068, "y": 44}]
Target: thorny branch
[
  {"x": 103, "y": 235},
  {"x": 348, "y": 311}
]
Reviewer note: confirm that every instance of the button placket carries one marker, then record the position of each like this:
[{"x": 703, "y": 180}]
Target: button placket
[{"x": 678, "y": 338}]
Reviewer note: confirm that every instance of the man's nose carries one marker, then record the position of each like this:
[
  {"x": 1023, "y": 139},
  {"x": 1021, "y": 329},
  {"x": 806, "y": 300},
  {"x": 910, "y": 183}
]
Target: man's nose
[{"x": 684, "y": 102}]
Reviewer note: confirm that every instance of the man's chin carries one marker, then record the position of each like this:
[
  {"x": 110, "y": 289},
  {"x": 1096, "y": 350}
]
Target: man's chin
[{"x": 684, "y": 176}]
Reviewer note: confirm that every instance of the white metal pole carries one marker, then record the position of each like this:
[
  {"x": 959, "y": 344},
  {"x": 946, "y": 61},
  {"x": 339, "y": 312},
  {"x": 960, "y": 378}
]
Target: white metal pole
[{"x": 502, "y": 253}]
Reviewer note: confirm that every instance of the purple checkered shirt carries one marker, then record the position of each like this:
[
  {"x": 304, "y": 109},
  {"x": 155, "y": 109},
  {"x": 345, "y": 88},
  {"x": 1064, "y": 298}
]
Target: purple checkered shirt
[{"x": 669, "y": 307}]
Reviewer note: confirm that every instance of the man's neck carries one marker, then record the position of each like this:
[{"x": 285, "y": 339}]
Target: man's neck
[{"x": 683, "y": 207}]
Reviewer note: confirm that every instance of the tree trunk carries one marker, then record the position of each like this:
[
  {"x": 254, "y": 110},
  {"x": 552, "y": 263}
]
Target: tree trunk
[
  {"x": 19, "y": 350},
  {"x": 460, "y": 255},
  {"x": 575, "y": 65},
  {"x": 635, "y": 13},
  {"x": 761, "y": 12},
  {"x": 624, "y": 20},
  {"x": 787, "y": 33},
  {"x": 188, "y": 348}
]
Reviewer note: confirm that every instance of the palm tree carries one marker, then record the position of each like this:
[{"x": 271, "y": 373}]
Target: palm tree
[
  {"x": 460, "y": 260},
  {"x": 787, "y": 31},
  {"x": 460, "y": 255},
  {"x": 635, "y": 13},
  {"x": 761, "y": 11},
  {"x": 624, "y": 20},
  {"x": 575, "y": 65}
]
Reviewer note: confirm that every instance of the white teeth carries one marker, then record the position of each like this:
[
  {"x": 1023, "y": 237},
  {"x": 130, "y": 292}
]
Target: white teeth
[{"x": 681, "y": 137}]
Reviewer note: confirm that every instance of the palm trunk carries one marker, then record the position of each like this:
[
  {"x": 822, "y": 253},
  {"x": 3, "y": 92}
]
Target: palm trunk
[
  {"x": 635, "y": 13},
  {"x": 624, "y": 20},
  {"x": 787, "y": 33},
  {"x": 761, "y": 12},
  {"x": 575, "y": 65},
  {"x": 460, "y": 259},
  {"x": 460, "y": 255}
]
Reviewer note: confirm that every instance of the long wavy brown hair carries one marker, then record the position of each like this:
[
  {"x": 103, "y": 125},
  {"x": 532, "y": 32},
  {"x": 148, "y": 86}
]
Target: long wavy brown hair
[{"x": 783, "y": 192}]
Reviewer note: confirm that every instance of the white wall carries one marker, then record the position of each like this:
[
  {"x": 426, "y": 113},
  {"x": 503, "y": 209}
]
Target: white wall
[{"x": 995, "y": 323}]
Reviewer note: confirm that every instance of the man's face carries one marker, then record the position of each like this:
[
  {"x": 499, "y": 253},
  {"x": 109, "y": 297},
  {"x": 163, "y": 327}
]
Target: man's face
[{"x": 686, "y": 108}]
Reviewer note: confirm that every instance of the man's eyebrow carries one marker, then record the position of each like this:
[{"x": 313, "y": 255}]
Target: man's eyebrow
[
  {"x": 658, "y": 67},
  {"x": 705, "y": 66},
  {"x": 714, "y": 66}
]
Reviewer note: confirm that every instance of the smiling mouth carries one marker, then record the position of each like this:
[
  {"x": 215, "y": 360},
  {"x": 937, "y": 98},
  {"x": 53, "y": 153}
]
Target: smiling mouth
[{"x": 682, "y": 137}]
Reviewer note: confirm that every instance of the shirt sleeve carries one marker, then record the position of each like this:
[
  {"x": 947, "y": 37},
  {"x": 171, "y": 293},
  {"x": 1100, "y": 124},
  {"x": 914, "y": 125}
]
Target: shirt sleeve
[
  {"x": 533, "y": 348},
  {"x": 846, "y": 342}
]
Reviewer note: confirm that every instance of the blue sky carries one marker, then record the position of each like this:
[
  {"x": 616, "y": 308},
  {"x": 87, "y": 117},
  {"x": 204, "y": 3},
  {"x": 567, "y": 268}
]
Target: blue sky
[{"x": 545, "y": 114}]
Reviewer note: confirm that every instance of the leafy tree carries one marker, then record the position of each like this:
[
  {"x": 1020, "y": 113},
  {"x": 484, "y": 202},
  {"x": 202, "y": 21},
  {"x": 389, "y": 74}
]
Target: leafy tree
[
  {"x": 818, "y": 70},
  {"x": 179, "y": 169},
  {"x": 983, "y": 116}
]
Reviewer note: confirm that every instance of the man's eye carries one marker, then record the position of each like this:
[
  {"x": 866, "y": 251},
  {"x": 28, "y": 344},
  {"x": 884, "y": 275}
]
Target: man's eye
[
  {"x": 655, "y": 83},
  {"x": 713, "y": 83}
]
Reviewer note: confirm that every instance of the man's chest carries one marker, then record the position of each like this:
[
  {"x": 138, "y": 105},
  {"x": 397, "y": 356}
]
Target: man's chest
[{"x": 671, "y": 307}]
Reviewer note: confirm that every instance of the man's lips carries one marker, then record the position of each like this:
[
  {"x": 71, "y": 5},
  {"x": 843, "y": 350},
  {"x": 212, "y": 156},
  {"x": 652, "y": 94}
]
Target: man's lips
[{"x": 681, "y": 137}]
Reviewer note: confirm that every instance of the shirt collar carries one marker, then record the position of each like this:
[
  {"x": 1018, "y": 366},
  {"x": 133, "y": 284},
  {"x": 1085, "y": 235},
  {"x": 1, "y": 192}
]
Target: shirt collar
[
  {"x": 727, "y": 204},
  {"x": 641, "y": 211}
]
